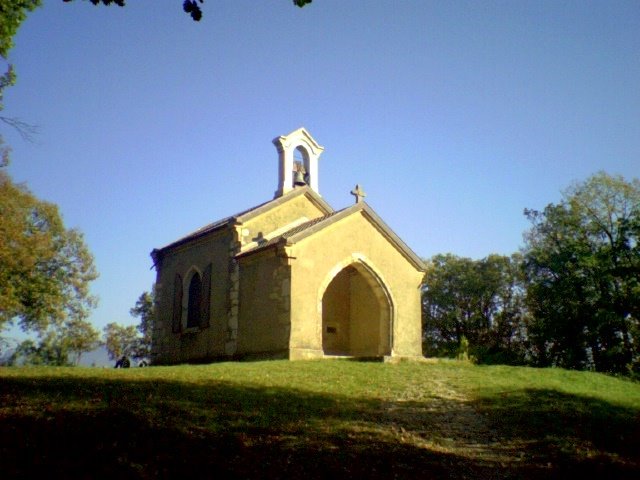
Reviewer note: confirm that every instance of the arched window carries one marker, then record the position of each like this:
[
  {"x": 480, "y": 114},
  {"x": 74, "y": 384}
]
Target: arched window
[{"x": 195, "y": 300}]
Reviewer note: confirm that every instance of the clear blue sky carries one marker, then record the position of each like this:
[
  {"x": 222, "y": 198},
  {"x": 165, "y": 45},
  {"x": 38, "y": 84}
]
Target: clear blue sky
[{"x": 454, "y": 116}]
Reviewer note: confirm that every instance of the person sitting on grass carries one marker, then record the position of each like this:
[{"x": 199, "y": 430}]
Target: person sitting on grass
[{"x": 123, "y": 362}]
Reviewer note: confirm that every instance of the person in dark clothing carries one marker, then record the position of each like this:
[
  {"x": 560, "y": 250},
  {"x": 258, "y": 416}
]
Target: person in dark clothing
[{"x": 123, "y": 362}]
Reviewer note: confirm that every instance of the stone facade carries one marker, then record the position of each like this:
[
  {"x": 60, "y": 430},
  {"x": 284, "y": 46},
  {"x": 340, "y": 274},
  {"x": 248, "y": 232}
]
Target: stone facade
[{"x": 291, "y": 278}]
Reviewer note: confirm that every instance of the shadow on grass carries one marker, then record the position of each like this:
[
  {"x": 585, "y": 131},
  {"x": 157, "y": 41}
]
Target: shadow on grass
[
  {"x": 94, "y": 428},
  {"x": 582, "y": 436}
]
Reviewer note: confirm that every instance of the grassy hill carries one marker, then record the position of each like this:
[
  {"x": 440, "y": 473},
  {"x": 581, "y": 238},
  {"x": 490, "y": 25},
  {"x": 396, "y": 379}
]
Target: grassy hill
[{"x": 318, "y": 419}]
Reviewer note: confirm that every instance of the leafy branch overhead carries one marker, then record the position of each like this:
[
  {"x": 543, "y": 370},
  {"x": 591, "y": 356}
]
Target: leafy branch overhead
[
  {"x": 12, "y": 14},
  {"x": 191, "y": 7}
]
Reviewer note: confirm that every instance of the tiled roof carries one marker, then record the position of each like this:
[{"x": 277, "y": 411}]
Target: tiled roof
[{"x": 211, "y": 227}]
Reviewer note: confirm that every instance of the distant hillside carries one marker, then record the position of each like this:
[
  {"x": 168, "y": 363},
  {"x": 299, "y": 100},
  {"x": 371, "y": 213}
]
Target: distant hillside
[{"x": 96, "y": 358}]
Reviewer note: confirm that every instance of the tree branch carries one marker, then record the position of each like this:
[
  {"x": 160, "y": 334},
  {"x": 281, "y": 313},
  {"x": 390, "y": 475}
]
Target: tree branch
[{"x": 26, "y": 130}]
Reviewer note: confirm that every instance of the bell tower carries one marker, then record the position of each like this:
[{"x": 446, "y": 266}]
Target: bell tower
[{"x": 302, "y": 172}]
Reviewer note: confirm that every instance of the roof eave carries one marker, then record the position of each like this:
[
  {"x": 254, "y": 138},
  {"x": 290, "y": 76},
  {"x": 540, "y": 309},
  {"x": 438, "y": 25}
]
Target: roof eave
[
  {"x": 195, "y": 236},
  {"x": 363, "y": 207},
  {"x": 395, "y": 239},
  {"x": 251, "y": 213}
]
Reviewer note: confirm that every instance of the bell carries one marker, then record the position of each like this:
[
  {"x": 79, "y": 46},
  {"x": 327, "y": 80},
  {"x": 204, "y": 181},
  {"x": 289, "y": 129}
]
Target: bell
[{"x": 298, "y": 179}]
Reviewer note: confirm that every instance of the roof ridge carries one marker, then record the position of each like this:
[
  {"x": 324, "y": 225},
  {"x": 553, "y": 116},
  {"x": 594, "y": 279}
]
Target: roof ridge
[
  {"x": 202, "y": 231},
  {"x": 291, "y": 232},
  {"x": 301, "y": 231}
]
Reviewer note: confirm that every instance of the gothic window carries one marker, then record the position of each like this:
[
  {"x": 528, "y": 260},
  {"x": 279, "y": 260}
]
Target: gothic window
[{"x": 192, "y": 300}]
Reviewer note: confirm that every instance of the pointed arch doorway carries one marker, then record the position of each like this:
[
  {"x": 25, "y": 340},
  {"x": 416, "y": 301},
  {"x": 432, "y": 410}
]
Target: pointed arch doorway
[{"x": 356, "y": 314}]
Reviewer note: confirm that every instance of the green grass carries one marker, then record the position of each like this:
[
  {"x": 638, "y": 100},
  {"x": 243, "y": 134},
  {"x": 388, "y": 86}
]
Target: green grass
[{"x": 317, "y": 420}]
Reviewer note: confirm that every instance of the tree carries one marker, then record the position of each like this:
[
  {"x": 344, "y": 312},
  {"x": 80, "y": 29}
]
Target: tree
[
  {"x": 80, "y": 336},
  {"x": 120, "y": 340},
  {"x": 57, "y": 344},
  {"x": 47, "y": 352},
  {"x": 474, "y": 301},
  {"x": 144, "y": 309},
  {"x": 190, "y": 7},
  {"x": 132, "y": 341},
  {"x": 45, "y": 269},
  {"x": 582, "y": 263}
]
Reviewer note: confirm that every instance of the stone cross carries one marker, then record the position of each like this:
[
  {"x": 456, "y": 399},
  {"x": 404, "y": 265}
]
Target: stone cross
[{"x": 358, "y": 193}]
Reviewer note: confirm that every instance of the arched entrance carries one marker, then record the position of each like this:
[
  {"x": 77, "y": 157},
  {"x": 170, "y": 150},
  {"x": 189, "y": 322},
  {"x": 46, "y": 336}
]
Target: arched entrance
[{"x": 356, "y": 314}]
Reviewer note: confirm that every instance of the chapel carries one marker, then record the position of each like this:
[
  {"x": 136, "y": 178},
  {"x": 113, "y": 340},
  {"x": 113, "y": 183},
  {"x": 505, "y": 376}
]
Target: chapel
[{"x": 290, "y": 278}]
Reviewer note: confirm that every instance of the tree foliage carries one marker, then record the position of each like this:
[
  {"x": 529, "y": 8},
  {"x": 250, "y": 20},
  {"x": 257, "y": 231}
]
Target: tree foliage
[
  {"x": 191, "y": 7},
  {"x": 120, "y": 341},
  {"x": 80, "y": 336},
  {"x": 47, "y": 352},
  {"x": 12, "y": 14},
  {"x": 132, "y": 341},
  {"x": 59, "y": 345},
  {"x": 479, "y": 301},
  {"x": 45, "y": 269},
  {"x": 582, "y": 263},
  {"x": 144, "y": 310}
]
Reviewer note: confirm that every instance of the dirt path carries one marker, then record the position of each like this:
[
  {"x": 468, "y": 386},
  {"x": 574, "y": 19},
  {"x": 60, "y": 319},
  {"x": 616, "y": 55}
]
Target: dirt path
[{"x": 443, "y": 420}]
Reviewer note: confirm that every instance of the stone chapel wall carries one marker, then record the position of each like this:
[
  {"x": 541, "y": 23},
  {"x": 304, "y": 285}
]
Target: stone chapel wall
[
  {"x": 265, "y": 297},
  {"x": 197, "y": 344}
]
